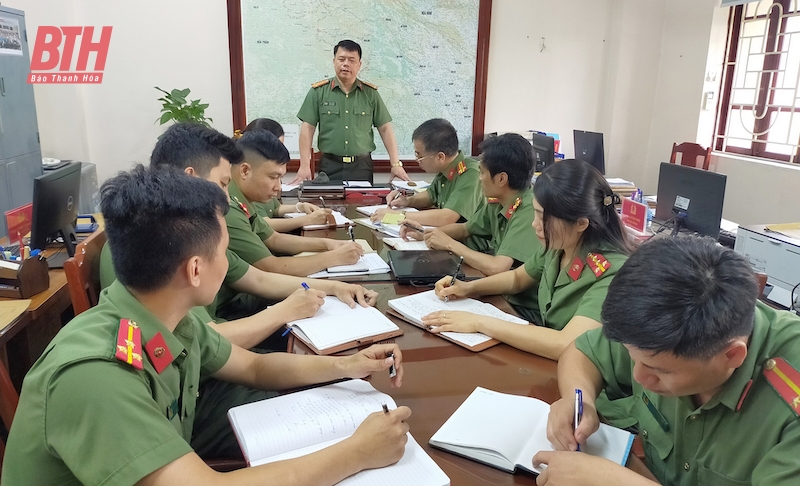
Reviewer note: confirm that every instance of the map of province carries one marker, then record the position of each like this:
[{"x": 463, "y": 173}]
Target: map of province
[{"x": 420, "y": 53}]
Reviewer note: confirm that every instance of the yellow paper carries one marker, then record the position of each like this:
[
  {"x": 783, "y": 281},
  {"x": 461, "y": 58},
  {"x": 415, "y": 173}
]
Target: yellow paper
[
  {"x": 364, "y": 244},
  {"x": 11, "y": 309},
  {"x": 792, "y": 230},
  {"x": 393, "y": 218}
]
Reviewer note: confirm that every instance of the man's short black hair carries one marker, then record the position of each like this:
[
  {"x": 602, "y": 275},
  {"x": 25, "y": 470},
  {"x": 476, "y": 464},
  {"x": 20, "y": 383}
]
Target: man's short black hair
[
  {"x": 192, "y": 145},
  {"x": 512, "y": 154},
  {"x": 264, "y": 144},
  {"x": 437, "y": 135},
  {"x": 347, "y": 45},
  {"x": 686, "y": 296},
  {"x": 267, "y": 124},
  {"x": 156, "y": 218}
]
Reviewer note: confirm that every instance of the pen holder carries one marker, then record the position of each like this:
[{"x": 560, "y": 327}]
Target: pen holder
[{"x": 21, "y": 280}]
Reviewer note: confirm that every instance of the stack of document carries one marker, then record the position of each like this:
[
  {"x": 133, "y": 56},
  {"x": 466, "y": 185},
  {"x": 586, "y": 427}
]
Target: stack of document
[
  {"x": 370, "y": 210},
  {"x": 403, "y": 245},
  {"x": 341, "y": 220},
  {"x": 373, "y": 261}
]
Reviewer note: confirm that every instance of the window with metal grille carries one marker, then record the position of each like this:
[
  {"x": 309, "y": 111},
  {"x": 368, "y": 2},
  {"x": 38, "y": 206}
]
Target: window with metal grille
[{"x": 759, "y": 110}]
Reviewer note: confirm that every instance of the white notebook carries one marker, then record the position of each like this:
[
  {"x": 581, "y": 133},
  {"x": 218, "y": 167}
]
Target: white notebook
[
  {"x": 403, "y": 245},
  {"x": 335, "y": 323},
  {"x": 374, "y": 261},
  {"x": 341, "y": 220},
  {"x": 418, "y": 186},
  {"x": 300, "y": 423},
  {"x": 370, "y": 210},
  {"x": 506, "y": 431},
  {"x": 415, "y": 307}
]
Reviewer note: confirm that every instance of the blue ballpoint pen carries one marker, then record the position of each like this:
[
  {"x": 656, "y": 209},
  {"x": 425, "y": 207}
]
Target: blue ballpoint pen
[{"x": 305, "y": 286}]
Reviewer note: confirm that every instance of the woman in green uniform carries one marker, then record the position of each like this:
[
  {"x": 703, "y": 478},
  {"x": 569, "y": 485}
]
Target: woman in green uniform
[{"x": 583, "y": 245}]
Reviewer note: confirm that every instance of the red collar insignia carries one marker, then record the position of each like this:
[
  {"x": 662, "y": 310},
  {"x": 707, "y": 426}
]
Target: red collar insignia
[
  {"x": 129, "y": 343},
  {"x": 241, "y": 205},
  {"x": 575, "y": 268},
  {"x": 158, "y": 352},
  {"x": 451, "y": 173},
  {"x": 597, "y": 263}
]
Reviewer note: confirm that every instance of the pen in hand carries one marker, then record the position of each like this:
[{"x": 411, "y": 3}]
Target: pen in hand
[
  {"x": 411, "y": 225},
  {"x": 351, "y": 233},
  {"x": 578, "y": 412},
  {"x": 385, "y": 408},
  {"x": 322, "y": 200},
  {"x": 453, "y": 280},
  {"x": 392, "y": 369},
  {"x": 289, "y": 328}
]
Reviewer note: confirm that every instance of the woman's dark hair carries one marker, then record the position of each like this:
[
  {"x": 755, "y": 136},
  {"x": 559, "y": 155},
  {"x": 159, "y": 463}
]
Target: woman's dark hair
[
  {"x": 267, "y": 124},
  {"x": 573, "y": 189}
]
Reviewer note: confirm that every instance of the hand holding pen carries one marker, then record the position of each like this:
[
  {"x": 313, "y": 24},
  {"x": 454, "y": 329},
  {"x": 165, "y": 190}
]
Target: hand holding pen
[
  {"x": 578, "y": 415},
  {"x": 453, "y": 280}
]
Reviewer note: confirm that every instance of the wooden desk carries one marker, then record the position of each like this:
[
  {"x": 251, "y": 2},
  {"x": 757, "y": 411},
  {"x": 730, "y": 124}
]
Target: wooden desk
[
  {"x": 440, "y": 375},
  {"x": 24, "y": 340}
]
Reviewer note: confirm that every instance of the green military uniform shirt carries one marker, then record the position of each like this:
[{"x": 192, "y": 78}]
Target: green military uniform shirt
[
  {"x": 506, "y": 230},
  {"x": 458, "y": 188},
  {"x": 561, "y": 296},
  {"x": 345, "y": 120},
  {"x": 268, "y": 209},
  {"x": 747, "y": 434},
  {"x": 236, "y": 270},
  {"x": 85, "y": 417},
  {"x": 247, "y": 230}
]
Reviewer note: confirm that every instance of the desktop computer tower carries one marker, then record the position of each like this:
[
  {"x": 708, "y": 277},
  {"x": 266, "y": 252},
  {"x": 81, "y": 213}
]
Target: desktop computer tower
[{"x": 89, "y": 202}]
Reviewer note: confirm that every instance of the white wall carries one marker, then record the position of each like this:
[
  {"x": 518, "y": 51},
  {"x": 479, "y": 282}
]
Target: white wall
[{"x": 171, "y": 44}]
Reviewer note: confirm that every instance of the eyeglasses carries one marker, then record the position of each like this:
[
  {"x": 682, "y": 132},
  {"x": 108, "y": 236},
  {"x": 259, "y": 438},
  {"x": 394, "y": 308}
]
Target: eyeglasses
[{"x": 419, "y": 159}]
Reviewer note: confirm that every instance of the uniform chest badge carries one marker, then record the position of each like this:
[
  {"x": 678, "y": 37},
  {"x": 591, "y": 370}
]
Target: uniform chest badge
[
  {"x": 158, "y": 352},
  {"x": 129, "y": 343},
  {"x": 575, "y": 268}
]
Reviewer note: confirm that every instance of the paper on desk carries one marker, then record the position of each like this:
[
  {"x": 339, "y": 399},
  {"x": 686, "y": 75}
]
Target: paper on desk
[
  {"x": 617, "y": 181},
  {"x": 418, "y": 186},
  {"x": 364, "y": 244},
  {"x": 373, "y": 260},
  {"x": 792, "y": 230},
  {"x": 11, "y": 309},
  {"x": 341, "y": 220},
  {"x": 401, "y": 244},
  {"x": 392, "y": 218},
  {"x": 370, "y": 210},
  {"x": 289, "y": 187}
]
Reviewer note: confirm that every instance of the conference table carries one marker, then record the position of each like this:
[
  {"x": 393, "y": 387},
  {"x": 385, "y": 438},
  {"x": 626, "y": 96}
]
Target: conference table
[{"x": 439, "y": 375}]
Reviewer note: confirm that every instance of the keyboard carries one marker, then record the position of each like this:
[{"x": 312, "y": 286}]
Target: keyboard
[{"x": 14, "y": 249}]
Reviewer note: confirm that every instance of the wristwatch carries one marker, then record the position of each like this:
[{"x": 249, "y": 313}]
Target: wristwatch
[{"x": 398, "y": 164}]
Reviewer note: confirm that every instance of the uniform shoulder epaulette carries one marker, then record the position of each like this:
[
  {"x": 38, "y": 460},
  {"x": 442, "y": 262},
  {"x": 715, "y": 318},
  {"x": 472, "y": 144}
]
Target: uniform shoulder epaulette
[
  {"x": 597, "y": 263},
  {"x": 320, "y": 83},
  {"x": 370, "y": 85},
  {"x": 785, "y": 379},
  {"x": 492, "y": 200},
  {"x": 129, "y": 344}
]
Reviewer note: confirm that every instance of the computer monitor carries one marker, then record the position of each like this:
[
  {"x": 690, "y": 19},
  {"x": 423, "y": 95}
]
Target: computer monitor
[
  {"x": 693, "y": 195},
  {"x": 544, "y": 151},
  {"x": 589, "y": 148},
  {"x": 55, "y": 210}
]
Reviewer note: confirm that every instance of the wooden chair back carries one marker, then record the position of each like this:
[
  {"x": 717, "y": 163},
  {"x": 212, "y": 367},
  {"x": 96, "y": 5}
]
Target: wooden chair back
[
  {"x": 692, "y": 155},
  {"x": 83, "y": 272},
  {"x": 9, "y": 399}
]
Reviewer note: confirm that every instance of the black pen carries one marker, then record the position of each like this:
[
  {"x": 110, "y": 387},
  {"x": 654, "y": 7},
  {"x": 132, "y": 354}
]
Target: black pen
[
  {"x": 408, "y": 224},
  {"x": 392, "y": 369},
  {"x": 322, "y": 200},
  {"x": 453, "y": 280},
  {"x": 385, "y": 408},
  {"x": 352, "y": 235}
]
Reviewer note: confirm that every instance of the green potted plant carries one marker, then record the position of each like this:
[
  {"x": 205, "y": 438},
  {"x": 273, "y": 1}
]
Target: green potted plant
[{"x": 175, "y": 107}]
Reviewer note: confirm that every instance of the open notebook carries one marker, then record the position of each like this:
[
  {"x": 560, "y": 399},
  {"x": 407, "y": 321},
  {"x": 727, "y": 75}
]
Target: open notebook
[
  {"x": 298, "y": 424},
  {"x": 370, "y": 210},
  {"x": 506, "y": 431},
  {"x": 375, "y": 265},
  {"x": 413, "y": 307},
  {"x": 341, "y": 220},
  {"x": 336, "y": 327},
  {"x": 403, "y": 245}
]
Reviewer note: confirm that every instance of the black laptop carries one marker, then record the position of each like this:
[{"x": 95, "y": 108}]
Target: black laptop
[{"x": 424, "y": 267}]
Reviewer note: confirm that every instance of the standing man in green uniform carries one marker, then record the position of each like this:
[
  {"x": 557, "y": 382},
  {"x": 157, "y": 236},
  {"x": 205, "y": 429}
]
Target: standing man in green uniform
[
  {"x": 251, "y": 238},
  {"x": 711, "y": 374},
  {"x": 455, "y": 193},
  {"x": 346, "y": 108},
  {"x": 498, "y": 237},
  {"x": 112, "y": 398}
]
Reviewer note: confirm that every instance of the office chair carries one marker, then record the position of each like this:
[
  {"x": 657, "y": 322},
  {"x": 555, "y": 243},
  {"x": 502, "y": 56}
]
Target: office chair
[
  {"x": 9, "y": 399},
  {"x": 83, "y": 272},
  {"x": 692, "y": 155}
]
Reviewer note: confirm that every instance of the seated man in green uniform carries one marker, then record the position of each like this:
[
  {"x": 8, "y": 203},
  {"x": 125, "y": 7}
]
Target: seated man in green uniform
[
  {"x": 711, "y": 374},
  {"x": 561, "y": 288},
  {"x": 273, "y": 211},
  {"x": 204, "y": 152},
  {"x": 345, "y": 108},
  {"x": 498, "y": 236},
  {"x": 254, "y": 179},
  {"x": 455, "y": 193},
  {"x": 112, "y": 398}
]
